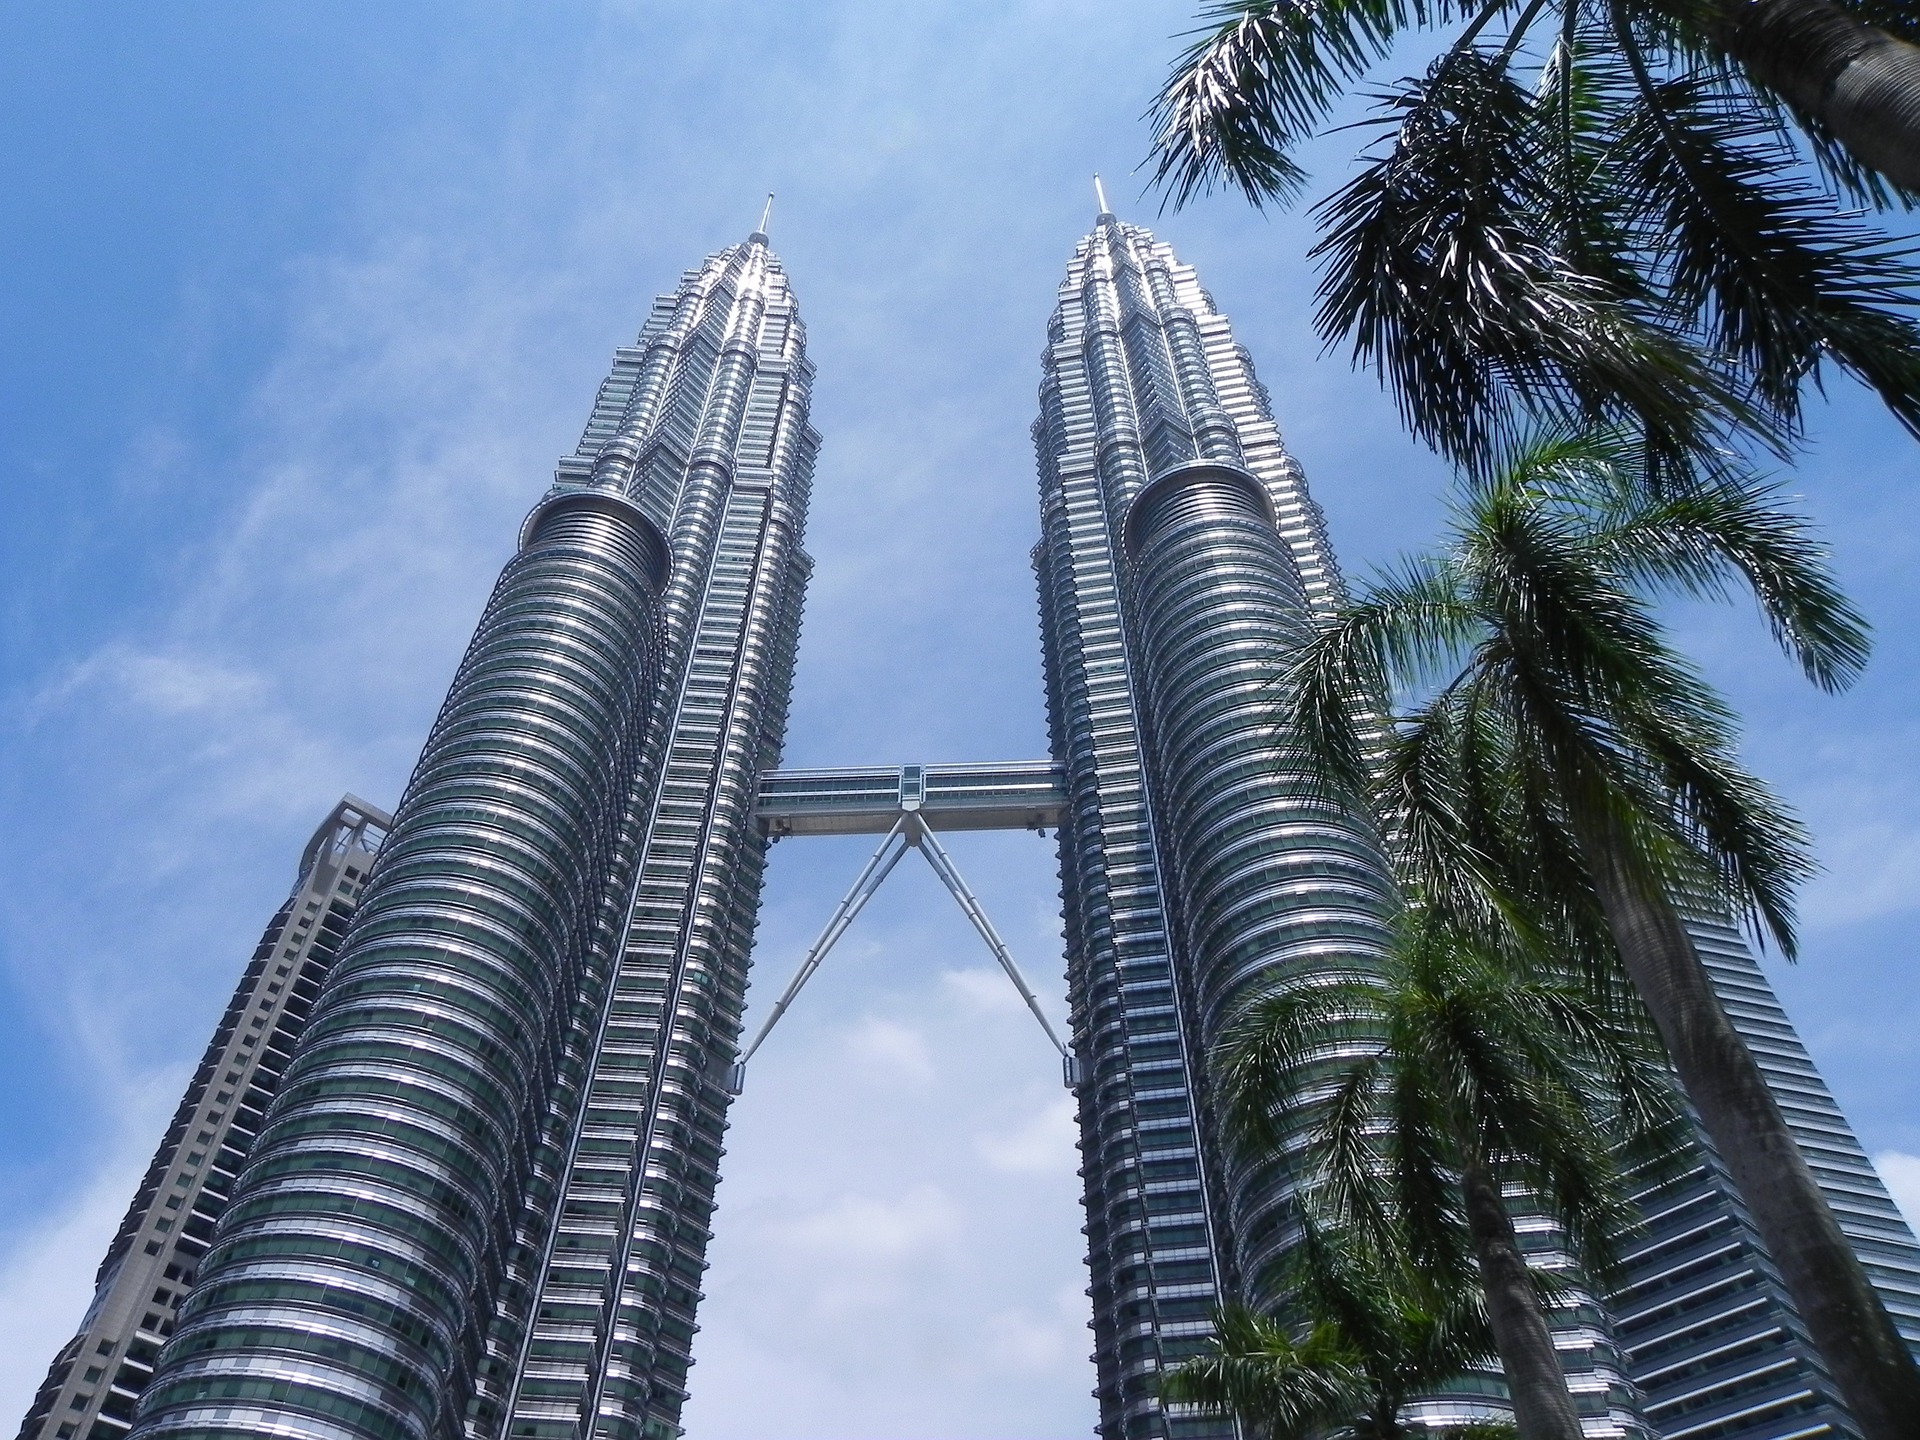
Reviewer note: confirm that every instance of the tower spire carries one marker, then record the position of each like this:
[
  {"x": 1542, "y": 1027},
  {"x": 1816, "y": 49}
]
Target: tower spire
[
  {"x": 766, "y": 215},
  {"x": 1100, "y": 194}
]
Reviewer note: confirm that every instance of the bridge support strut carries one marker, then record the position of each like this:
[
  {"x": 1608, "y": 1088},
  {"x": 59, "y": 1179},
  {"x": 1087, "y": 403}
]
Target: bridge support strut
[{"x": 909, "y": 832}]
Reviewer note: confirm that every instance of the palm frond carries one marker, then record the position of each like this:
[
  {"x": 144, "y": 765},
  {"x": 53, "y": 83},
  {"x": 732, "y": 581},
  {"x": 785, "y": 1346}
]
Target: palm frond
[
  {"x": 1257, "y": 1369},
  {"x": 1763, "y": 261},
  {"x": 1260, "y": 81},
  {"x": 1334, "y": 688},
  {"x": 1276, "y": 1048},
  {"x": 1699, "y": 541},
  {"x": 1697, "y": 33},
  {"x": 1753, "y": 850},
  {"x": 1443, "y": 264}
]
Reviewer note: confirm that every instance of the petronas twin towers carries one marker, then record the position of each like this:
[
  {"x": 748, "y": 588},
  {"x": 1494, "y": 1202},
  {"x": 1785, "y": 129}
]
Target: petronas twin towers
[{"x": 472, "y": 1196}]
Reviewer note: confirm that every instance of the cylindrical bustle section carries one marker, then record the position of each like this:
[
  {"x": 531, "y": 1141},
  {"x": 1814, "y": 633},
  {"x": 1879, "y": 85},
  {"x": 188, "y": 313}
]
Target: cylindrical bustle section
[
  {"x": 350, "y": 1281},
  {"x": 1272, "y": 877}
]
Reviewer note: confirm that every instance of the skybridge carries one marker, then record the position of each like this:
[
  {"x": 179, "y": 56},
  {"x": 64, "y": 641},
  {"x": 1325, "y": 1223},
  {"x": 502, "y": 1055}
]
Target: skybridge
[
  {"x": 1014, "y": 795},
  {"x": 906, "y": 805}
]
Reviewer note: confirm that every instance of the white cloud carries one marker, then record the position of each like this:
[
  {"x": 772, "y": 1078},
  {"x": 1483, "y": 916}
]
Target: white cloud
[
  {"x": 1901, "y": 1174},
  {"x": 46, "y": 1279},
  {"x": 869, "y": 1229},
  {"x": 1040, "y": 1341},
  {"x": 983, "y": 989},
  {"x": 1869, "y": 871},
  {"x": 47, "y": 1267},
  {"x": 1044, "y": 1145},
  {"x": 895, "y": 1051},
  {"x": 168, "y": 685}
]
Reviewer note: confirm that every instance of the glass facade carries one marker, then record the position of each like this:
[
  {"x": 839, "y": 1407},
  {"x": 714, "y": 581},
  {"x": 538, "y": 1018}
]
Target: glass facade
[
  {"x": 1711, "y": 1336},
  {"x": 360, "y": 1257},
  {"x": 704, "y": 422},
  {"x": 1181, "y": 559}
]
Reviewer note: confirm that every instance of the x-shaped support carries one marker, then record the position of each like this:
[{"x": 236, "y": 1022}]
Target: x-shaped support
[{"x": 909, "y": 832}]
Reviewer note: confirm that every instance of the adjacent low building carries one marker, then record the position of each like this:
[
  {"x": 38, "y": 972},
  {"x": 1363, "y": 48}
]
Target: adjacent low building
[{"x": 91, "y": 1387}]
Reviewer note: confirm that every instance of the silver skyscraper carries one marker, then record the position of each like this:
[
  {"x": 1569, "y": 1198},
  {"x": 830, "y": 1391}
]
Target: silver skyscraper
[
  {"x": 1180, "y": 557},
  {"x": 479, "y": 1204}
]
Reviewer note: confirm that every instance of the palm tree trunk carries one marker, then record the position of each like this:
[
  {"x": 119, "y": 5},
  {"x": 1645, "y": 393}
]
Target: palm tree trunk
[
  {"x": 1842, "y": 1312},
  {"x": 1542, "y": 1405},
  {"x": 1861, "y": 83}
]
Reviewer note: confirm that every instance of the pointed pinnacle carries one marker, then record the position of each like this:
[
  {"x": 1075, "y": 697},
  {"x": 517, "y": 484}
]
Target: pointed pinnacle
[
  {"x": 1100, "y": 194},
  {"x": 765, "y": 216}
]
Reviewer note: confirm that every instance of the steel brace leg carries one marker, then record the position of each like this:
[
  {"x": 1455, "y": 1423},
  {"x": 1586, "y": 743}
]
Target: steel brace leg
[
  {"x": 949, "y": 874},
  {"x": 908, "y": 832},
  {"x": 851, "y": 904}
]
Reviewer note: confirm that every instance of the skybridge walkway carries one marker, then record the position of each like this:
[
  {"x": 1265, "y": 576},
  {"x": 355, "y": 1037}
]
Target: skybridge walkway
[
  {"x": 906, "y": 804},
  {"x": 866, "y": 800}
]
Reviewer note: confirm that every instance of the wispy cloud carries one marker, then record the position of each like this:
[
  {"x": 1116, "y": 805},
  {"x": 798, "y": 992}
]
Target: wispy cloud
[
  {"x": 983, "y": 989},
  {"x": 894, "y": 1051},
  {"x": 1044, "y": 1145},
  {"x": 47, "y": 1267}
]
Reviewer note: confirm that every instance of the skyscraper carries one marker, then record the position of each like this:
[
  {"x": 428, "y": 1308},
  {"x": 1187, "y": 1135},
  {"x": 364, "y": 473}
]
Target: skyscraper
[
  {"x": 478, "y": 1206},
  {"x": 90, "y": 1390},
  {"x": 480, "y": 1202},
  {"x": 1710, "y": 1333},
  {"x": 1180, "y": 558},
  {"x": 1173, "y": 526}
]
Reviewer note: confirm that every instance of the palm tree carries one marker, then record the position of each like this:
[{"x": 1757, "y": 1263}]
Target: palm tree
[
  {"x": 1372, "y": 1335},
  {"x": 1561, "y": 752},
  {"x": 1586, "y": 211},
  {"x": 1434, "y": 1086},
  {"x": 1280, "y": 1385}
]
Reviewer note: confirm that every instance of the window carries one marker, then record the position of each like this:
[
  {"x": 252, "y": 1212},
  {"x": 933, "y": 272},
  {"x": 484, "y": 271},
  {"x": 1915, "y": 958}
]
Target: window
[
  {"x": 153, "y": 1248},
  {"x": 94, "y": 1372}
]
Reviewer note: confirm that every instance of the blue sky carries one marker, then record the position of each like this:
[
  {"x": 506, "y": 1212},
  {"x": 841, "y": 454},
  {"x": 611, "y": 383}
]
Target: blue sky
[{"x": 300, "y": 305}]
